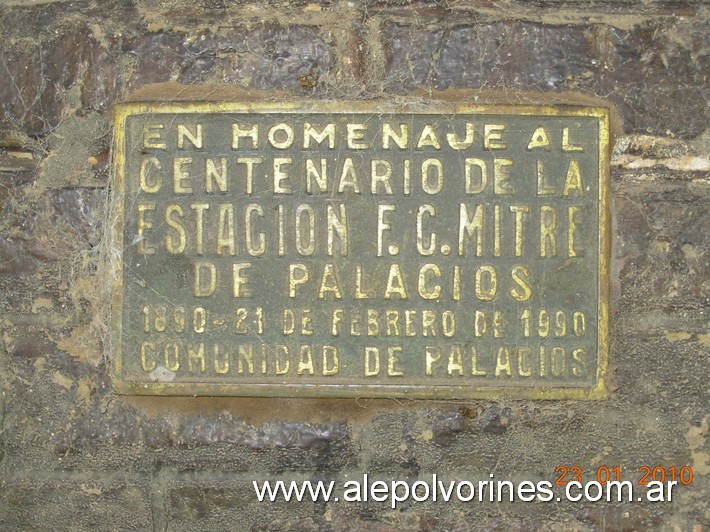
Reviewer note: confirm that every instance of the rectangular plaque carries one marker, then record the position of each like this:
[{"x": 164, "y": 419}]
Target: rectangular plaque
[{"x": 430, "y": 250}]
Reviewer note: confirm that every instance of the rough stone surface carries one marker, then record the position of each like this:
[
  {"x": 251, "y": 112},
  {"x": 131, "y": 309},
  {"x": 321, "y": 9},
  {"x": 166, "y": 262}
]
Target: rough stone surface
[{"x": 75, "y": 455}]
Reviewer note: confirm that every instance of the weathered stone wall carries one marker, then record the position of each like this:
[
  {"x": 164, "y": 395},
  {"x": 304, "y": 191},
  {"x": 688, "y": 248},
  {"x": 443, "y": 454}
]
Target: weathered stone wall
[{"x": 74, "y": 455}]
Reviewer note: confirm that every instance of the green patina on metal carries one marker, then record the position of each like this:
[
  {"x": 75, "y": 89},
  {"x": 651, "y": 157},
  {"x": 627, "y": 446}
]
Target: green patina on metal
[{"x": 361, "y": 249}]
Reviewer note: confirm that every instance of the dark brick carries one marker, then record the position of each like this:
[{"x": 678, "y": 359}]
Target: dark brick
[
  {"x": 510, "y": 55},
  {"x": 662, "y": 245},
  {"x": 81, "y": 210},
  {"x": 446, "y": 425},
  {"x": 269, "y": 57},
  {"x": 42, "y": 74},
  {"x": 657, "y": 84},
  {"x": 21, "y": 256},
  {"x": 495, "y": 420}
]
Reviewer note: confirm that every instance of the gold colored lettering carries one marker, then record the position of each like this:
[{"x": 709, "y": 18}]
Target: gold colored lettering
[
  {"x": 305, "y": 360},
  {"x": 409, "y": 323},
  {"x": 355, "y": 323},
  {"x": 337, "y": 319},
  {"x": 296, "y": 281},
  {"x": 183, "y": 132},
  {"x": 355, "y": 135},
  {"x": 205, "y": 276},
  {"x": 558, "y": 362},
  {"x": 196, "y": 356},
  {"x": 519, "y": 211},
  {"x": 395, "y": 283},
  {"x": 152, "y": 134},
  {"x": 543, "y": 189},
  {"x": 393, "y": 369},
  {"x": 475, "y": 371},
  {"x": 238, "y": 133},
  {"x": 372, "y": 361},
  {"x": 181, "y": 177},
  {"x": 497, "y": 324},
  {"x": 501, "y": 177},
  {"x": 220, "y": 366},
  {"x": 380, "y": 173},
  {"x": 425, "y": 273},
  {"x": 566, "y": 145},
  {"x": 309, "y": 132},
  {"x": 143, "y": 248},
  {"x": 480, "y": 325},
  {"x": 289, "y": 322},
  {"x": 431, "y": 355},
  {"x": 150, "y": 187},
  {"x": 280, "y": 365},
  {"x": 312, "y": 173},
  {"x": 496, "y": 230},
  {"x": 548, "y": 224},
  {"x": 251, "y": 210},
  {"x": 225, "y": 230},
  {"x": 470, "y": 227},
  {"x": 406, "y": 178},
  {"x": 503, "y": 361},
  {"x": 359, "y": 292},
  {"x": 522, "y": 291},
  {"x": 280, "y": 176},
  {"x": 175, "y": 243},
  {"x": 448, "y": 323},
  {"x": 524, "y": 367},
  {"x": 431, "y": 248},
  {"x": 457, "y": 144},
  {"x": 245, "y": 355},
  {"x": 486, "y": 289},
  {"x": 428, "y": 138},
  {"x": 456, "y": 292},
  {"x": 284, "y": 131},
  {"x": 218, "y": 176},
  {"x": 573, "y": 182},
  {"x": 392, "y": 320},
  {"x": 172, "y": 356},
  {"x": 199, "y": 209},
  {"x": 331, "y": 360},
  {"x": 306, "y": 322},
  {"x": 579, "y": 355},
  {"x": 147, "y": 366},
  {"x": 310, "y": 245},
  {"x": 455, "y": 361},
  {"x": 492, "y": 137},
  {"x": 439, "y": 175},
  {"x": 401, "y": 139},
  {"x": 472, "y": 188},
  {"x": 240, "y": 279},
  {"x": 428, "y": 323},
  {"x": 282, "y": 242},
  {"x": 329, "y": 283},
  {"x": 348, "y": 177},
  {"x": 337, "y": 225},
  {"x": 539, "y": 139},
  {"x": 382, "y": 226},
  {"x": 249, "y": 162},
  {"x": 373, "y": 323}
]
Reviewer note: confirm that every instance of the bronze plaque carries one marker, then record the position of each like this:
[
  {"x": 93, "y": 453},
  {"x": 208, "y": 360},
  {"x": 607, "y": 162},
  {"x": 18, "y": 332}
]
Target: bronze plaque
[{"x": 436, "y": 250}]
